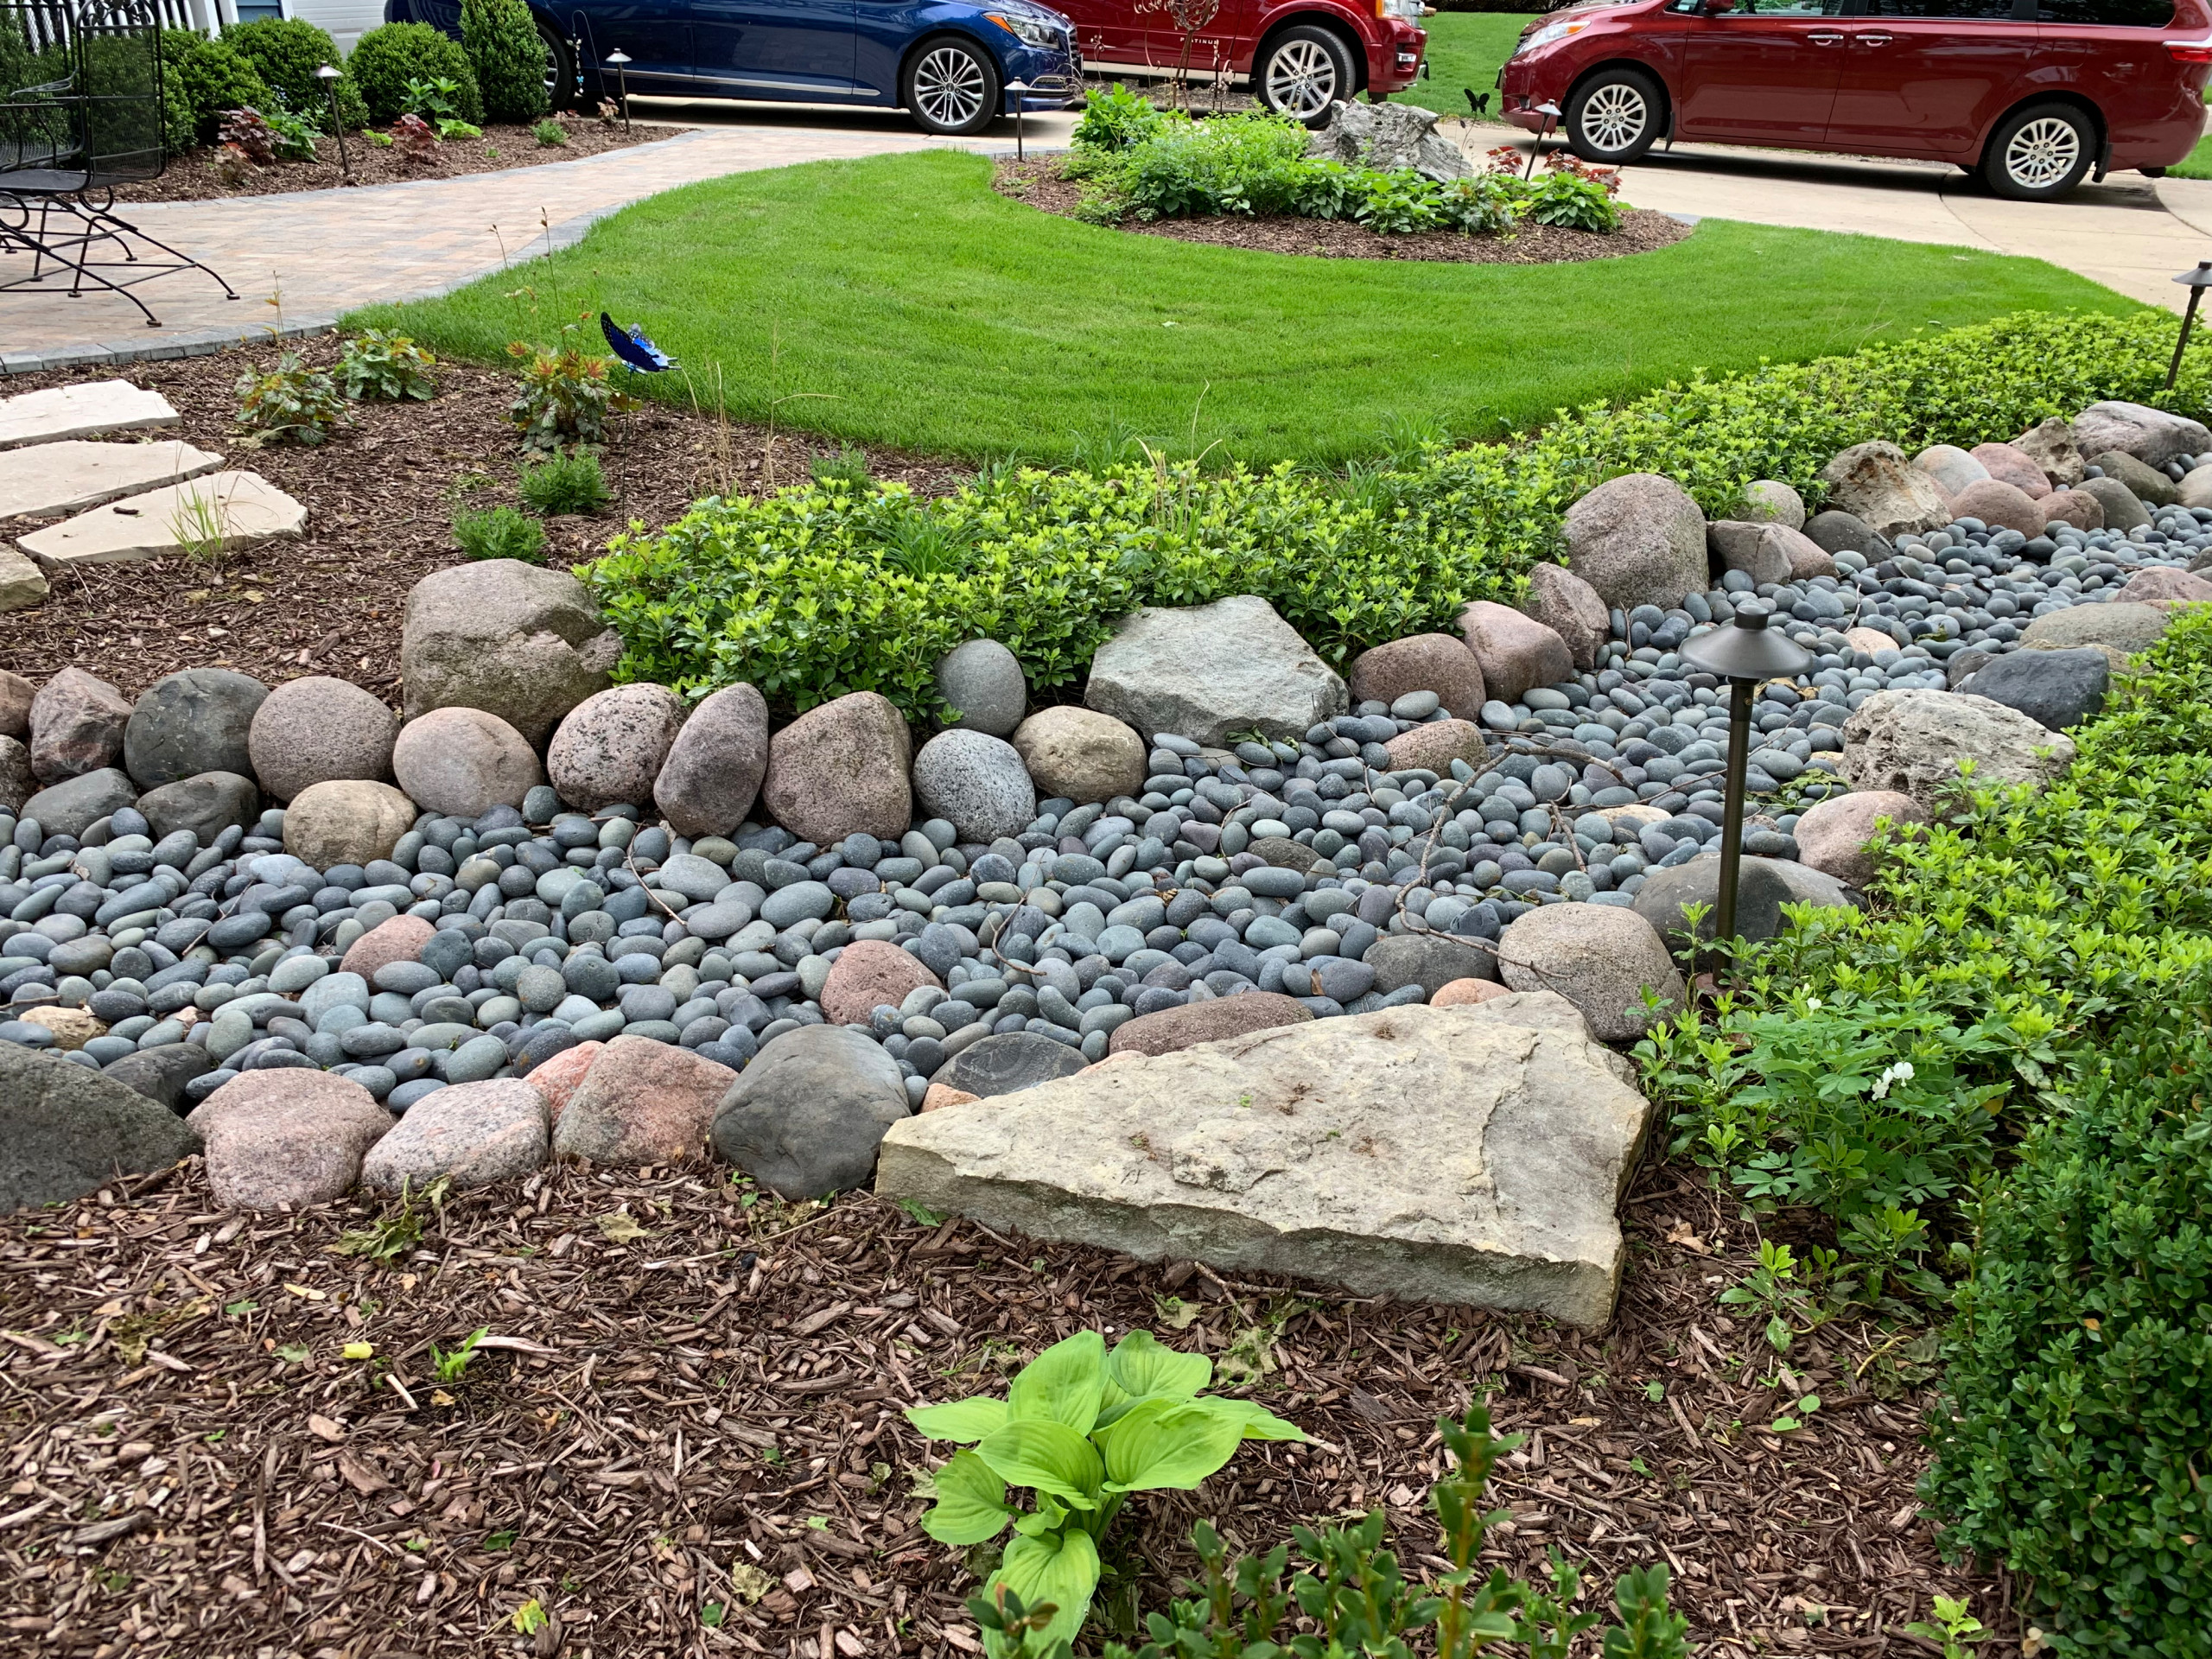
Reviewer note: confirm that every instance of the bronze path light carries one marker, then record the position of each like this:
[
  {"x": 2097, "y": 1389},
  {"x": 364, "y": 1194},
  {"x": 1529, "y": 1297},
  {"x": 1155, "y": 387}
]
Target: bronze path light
[{"x": 2196, "y": 282}]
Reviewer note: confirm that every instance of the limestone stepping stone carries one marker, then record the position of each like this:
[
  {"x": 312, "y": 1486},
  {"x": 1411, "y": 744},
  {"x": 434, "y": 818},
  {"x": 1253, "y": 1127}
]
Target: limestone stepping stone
[
  {"x": 21, "y": 582},
  {"x": 81, "y": 411},
  {"x": 75, "y": 474},
  {"x": 223, "y": 512}
]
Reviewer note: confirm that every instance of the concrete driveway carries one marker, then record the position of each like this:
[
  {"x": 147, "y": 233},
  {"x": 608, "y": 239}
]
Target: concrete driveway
[{"x": 2131, "y": 233}]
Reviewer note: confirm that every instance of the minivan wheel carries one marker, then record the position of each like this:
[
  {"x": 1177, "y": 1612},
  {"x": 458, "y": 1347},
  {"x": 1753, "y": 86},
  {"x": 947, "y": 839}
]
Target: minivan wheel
[
  {"x": 2040, "y": 153},
  {"x": 951, "y": 87},
  {"x": 1613, "y": 116},
  {"x": 1306, "y": 71},
  {"x": 560, "y": 70}
]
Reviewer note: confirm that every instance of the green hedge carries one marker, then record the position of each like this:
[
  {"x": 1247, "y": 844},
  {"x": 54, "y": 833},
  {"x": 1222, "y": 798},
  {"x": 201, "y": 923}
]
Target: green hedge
[
  {"x": 823, "y": 590},
  {"x": 285, "y": 52},
  {"x": 390, "y": 55},
  {"x": 2075, "y": 1429},
  {"x": 504, "y": 48},
  {"x": 209, "y": 76}
]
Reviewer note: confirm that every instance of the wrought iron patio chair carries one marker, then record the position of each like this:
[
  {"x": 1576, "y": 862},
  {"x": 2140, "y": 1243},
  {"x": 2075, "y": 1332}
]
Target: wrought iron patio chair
[{"x": 80, "y": 113}]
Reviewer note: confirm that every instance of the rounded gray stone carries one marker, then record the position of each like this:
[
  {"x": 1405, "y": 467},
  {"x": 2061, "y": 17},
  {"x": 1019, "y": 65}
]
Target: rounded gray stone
[
  {"x": 712, "y": 775},
  {"x": 984, "y": 682},
  {"x": 977, "y": 783},
  {"x": 190, "y": 723},
  {"x": 1008, "y": 1063},
  {"x": 797, "y": 902},
  {"x": 320, "y": 730},
  {"x": 805, "y": 1117}
]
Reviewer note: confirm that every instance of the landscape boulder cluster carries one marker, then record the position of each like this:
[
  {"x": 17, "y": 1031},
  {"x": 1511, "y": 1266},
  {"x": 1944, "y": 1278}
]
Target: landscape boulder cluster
[{"x": 546, "y": 915}]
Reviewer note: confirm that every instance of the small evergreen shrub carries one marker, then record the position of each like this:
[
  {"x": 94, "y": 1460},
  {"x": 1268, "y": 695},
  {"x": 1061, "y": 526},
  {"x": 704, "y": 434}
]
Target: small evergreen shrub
[
  {"x": 214, "y": 76},
  {"x": 390, "y": 56},
  {"x": 2076, "y": 1426},
  {"x": 550, "y": 134},
  {"x": 498, "y": 533},
  {"x": 285, "y": 52},
  {"x": 504, "y": 48},
  {"x": 565, "y": 484}
]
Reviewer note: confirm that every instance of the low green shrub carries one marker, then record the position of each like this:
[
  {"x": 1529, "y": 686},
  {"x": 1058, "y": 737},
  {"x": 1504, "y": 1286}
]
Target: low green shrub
[
  {"x": 502, "y": 42},
  {"x": 1116, "y": 119},
  {"x": 2074, "y": 1431},
  {"x": 285, "y": 52},
  {"x": 566, "y": 484},
  {"x": 498, "y": 533},
  {"x": 379, "y": 367},
  {"x": 799, "y": 594},
  {"x": 213, "y": 76},
  {"x": 388, "y": 57},
  {"x": 550, "y": 134}
]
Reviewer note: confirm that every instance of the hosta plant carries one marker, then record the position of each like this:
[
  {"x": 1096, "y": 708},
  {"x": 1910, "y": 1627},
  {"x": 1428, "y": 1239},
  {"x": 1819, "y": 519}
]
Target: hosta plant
[{"x": 1082, "y": 1428}]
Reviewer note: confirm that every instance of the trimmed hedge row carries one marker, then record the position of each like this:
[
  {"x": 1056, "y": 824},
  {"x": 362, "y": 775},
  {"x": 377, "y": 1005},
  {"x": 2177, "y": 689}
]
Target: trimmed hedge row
[{"x": 825, "y": 588}]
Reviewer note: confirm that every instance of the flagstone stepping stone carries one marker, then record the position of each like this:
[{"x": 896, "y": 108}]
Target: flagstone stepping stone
[
  {"x": 81, "y": 411},
  {"x": 22, "y": 584},
  {"x": 72, "y": 476},
  {"x": 246, "y": 508}
]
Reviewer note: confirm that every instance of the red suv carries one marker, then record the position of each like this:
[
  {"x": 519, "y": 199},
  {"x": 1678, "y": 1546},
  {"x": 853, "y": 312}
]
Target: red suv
[
  {"x": 1300, "y": 55},
  {"x": 2029, "y": 93}
]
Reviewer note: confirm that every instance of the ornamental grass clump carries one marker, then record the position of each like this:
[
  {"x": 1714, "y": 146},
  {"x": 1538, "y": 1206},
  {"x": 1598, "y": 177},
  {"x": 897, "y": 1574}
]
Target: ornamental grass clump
[{"x": 1082, "y": 1428}]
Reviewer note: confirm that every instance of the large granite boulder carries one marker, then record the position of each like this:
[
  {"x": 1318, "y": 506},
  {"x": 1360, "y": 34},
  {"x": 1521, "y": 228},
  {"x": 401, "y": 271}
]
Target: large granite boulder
[
  {"x": 345, "y": 823},
  {"x": 67, "y": 1130},
  {"x": 1769, "y": 501},
  {"x": 1436, "y": 744},
  {"x": 2056, "y": 688},
  {"x": 1876, "y": 483},
  {"x": 1737, "y": 544},
  {"x": 867, "y": 974},
  {"x": 1764, "y": 886},
  {"x": 1570, "y": 608},
  {"x": 1835, "y": 836},
  {"x": 2146, "y": 484},
  {"x": 1012, "y": 1060},
  {"x": 514, "y": 640},
  {"x": 76, "y": 805},
  {"x": 2163, "y": 585},
  {"x": 77, "y": 726},
  {"x": 712, "y": 775},
  {"x": 610, "y": 747},
  {"x": 1913, "y": 741},
  {"x": 2153, "y": 435},
  {"x": 1471, "y": 1154},
  {"x": 1515, "y": 652},
  {"x": 1207, "y": 672},
  {"x": 842, "y": 767},
  {"x": 320, "y": 730},
  {"x": 976, "y": 783},
  {"x": 2121, "y": 508},
  {"x": 189, "y": 722},
  {"x": 2009, "y": 464},
  {"x": 464, "y": 762},
  {"x": 644, "y": 1102},
  {"x": 1172, "y": 1029},
  {"x": 2050, "y": 447},
  {"x": 1425, "y": 662},
  {"x": 17, "y": 782},
  {"x": 1599, "y": 957},
  {"x": 1081, "y": 756},
  {"x": 206, "y": 804},
  {"x": 1387, "y": 136},
  {"x": 292, "y": 1136},
  {"x": 1637, "y": 539},
  {"x": 471, "y": 1134},
  {"x": 2001, "y": 506},
  {"x": 17, "y": 695},
  {"x": 805, "y": 1117},
  {"x": 2120, "y": 628},
  {"x": 1950, "y": 466}
]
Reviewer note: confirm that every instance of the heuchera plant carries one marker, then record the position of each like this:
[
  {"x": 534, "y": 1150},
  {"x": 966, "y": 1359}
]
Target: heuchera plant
[{"x": 1084, "y": 1429}]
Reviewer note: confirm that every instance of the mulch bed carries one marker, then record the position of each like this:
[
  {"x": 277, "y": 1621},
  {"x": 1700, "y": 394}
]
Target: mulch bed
[
  {"x": 379, "y": 499},
  {"x": 683, "y": 1436},
  {"x": 1039, "y": 184},
  {"x": 191, "y": 176}
]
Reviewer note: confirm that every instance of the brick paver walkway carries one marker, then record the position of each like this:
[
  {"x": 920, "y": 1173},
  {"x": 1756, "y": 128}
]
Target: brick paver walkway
[{"x": 329, "y": 250}]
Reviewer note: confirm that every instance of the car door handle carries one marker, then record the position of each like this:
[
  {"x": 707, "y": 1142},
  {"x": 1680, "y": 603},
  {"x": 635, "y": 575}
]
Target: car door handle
[
  {"x": 1825, "y": 39},
  {"x": 1873, "y": 39}
]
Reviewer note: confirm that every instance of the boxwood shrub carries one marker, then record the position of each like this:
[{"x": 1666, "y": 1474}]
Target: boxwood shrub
[
  {"x": 285, "y": 52},
  {"x": 824, "y": 590},
  {"x": 390, "y": 55},
  {"x": 201, "y": 78},
  {"x": 504, "y": 47},
  {"x": 2075, "y": 1432}
]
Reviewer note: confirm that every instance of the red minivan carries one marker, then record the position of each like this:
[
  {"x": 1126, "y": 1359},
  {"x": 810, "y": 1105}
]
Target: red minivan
[
  {"x": 2030, "y": 94},
  {"x": 1299, "y": 55}
]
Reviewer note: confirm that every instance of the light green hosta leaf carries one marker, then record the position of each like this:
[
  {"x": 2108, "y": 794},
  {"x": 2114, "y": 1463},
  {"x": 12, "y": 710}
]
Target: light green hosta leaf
[
  {"x": 970, "y": 1504},
  {"x": 1160, "y": 1443},
  {"x": 1143, "y": 1366},
  {"x": 965, "y": 1421},
  {"x": 1063, "y": 1384},
  {"x": 1061, "y": 1568},
  {"x": 1050, "y": 1456},
  {"x": 1260, "y": 1423}
]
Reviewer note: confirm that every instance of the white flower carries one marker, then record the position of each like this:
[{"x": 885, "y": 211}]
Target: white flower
[{"x": 1897, "y": 1072}]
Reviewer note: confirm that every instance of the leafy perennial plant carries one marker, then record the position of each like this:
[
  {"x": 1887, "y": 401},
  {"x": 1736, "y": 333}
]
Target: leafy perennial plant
[{"x": 1084, "y": 1428}]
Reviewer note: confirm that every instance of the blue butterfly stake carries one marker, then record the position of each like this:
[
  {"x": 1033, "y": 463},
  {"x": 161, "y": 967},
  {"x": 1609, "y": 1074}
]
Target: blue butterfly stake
[{"x": 633, "y": 348}]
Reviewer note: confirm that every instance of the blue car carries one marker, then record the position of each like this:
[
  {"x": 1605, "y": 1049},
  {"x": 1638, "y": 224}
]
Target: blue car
[{"x": 945, "y": 62}]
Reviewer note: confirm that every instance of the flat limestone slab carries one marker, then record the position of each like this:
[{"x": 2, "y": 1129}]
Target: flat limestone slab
[
  {"x": 1472, "y": 1154},
  {"x": 22, "y": 583},
  {"x": 81, "y": 411},
  {"x": 245, "y": 508},
  {"x": 76, "y": 472}
]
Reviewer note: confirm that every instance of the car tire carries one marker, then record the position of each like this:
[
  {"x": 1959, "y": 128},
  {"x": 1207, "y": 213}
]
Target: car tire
[
  {"x": 1305, "y": 72},
  {"x": 1615, "y": 115},
  {"x": 951, "y": 87},
  {"x": 2039, "y": 154},
  {"x": 560, "y": 70}
]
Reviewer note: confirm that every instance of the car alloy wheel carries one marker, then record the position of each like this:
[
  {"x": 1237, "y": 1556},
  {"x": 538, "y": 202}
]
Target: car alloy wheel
[
  {"x": 1301, "y": 79},
  {"x": 2043, "y": 153},
  {"x": 949, "y": 87},
  {"x": 1614, "y": 117}
]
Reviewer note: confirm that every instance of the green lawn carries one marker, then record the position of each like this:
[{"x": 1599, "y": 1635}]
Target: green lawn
[
  {"x": 1465, "y": 50},
  {"x": 899, "y": 300},
  {"x": 2198, "y": 166}
]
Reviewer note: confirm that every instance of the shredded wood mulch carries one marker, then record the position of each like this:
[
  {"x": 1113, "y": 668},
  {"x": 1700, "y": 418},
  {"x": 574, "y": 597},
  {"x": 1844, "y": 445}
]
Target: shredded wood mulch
[
  {"x": 192, "y": 176},
  {"x": 682, "y": 1432},
  {"x": 1039, "y": 184},
  {"x": 380, "y": 498}
]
